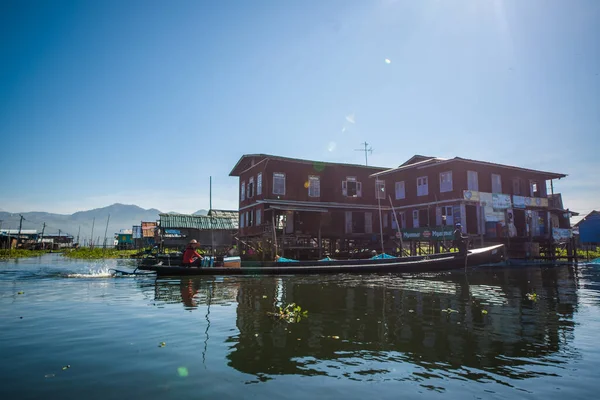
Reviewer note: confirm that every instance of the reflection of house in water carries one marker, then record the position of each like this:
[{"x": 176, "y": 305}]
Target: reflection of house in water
[{"x": 401, "y": 320}]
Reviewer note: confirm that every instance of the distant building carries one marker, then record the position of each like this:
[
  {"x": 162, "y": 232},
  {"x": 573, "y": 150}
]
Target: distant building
[
  {"x": 10, "y": 238},
  {"x": 589, "y": 229},
  {"x": 57, "y": 241},
  {"x": 148, "y": 232},
  {"x": 125, "y": 239},
  {"x": 217, "y": 230}
]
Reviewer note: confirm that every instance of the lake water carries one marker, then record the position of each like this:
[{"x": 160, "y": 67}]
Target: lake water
[{"x": 68, "y": 330}]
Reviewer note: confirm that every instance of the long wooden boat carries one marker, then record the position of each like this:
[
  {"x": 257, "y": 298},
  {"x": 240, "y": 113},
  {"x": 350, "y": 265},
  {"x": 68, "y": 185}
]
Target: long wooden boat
[{"x": 437, "y": 262}]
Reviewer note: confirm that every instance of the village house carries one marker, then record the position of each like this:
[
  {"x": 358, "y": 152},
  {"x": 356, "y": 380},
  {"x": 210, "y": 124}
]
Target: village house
[
  {"x": 489, "y": 200},
  {"x": 316, "y": 207},
  {"x": 13, "y": 238},
  {"x": 589, "y": 230},
  {"x": 213, "y": 231}
]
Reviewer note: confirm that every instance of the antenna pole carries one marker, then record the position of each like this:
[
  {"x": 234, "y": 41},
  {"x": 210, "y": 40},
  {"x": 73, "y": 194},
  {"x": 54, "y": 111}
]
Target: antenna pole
[{"x": 366, "y": 150}]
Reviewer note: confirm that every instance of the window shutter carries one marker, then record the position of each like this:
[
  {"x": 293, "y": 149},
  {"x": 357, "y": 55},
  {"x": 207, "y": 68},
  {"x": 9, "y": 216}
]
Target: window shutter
[
  {"x": 344, "y": 188},
  {"x": 358, "y": 189},
  {"x": 368, "y": 222},
  {"x": 348, "y": 221}
]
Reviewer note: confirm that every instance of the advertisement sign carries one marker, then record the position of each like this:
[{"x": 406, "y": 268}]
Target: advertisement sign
[
  {"x": 471, "y": 195},
  {"x": 518, "y": 201},
  {"x": 500, "y": 201},
  {"x": 485, "y": 199},
  {"x": 427, "y": 233},
  {"x": 561, "y": 235}
]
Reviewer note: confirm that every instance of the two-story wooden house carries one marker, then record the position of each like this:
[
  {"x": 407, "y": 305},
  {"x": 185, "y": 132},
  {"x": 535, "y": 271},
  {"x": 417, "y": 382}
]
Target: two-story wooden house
[
  {"x": 310, "y": 204},
  {"x": 491, "y": 200}
]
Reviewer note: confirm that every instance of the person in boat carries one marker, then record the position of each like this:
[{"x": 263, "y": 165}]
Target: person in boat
[
  {"x": 460, "y": 240},
  {"x": 191, "y": 257}
]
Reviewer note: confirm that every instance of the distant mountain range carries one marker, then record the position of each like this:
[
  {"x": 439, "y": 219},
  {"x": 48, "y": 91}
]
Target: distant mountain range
[{"x": 122, "y": 216}]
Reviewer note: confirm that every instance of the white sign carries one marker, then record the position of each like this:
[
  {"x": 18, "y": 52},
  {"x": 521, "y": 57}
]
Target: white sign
[
  {"x": 500, "y": 201},
  {"x": 561, "y": 235}
]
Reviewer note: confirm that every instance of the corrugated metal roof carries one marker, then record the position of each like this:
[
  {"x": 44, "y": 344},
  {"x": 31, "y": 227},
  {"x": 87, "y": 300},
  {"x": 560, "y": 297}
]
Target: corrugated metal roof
[
  {"x": 233, "y": 214},
  {"x": 16, "y": 231},
  {"x": 202, "y": 222}
]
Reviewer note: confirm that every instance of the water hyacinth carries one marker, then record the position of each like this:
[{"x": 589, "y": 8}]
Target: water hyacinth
[{"x": 290, "y": 313}]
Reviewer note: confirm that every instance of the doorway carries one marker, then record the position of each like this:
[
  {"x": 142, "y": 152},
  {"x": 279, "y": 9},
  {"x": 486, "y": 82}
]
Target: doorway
[{"x": 471, "y": 219}]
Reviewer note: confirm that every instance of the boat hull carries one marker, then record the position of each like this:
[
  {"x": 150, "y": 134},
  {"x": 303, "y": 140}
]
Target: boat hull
[{"x": 487, "y": 255}]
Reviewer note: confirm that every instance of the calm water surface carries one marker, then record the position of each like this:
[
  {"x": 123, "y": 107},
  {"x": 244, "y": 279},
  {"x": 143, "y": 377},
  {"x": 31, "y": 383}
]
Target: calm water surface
[{"x": 366, "y": 336}]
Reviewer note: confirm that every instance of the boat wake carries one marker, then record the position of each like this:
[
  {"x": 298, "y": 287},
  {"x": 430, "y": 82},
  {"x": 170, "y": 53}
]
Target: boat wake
[{"x": 103, "y": 272}]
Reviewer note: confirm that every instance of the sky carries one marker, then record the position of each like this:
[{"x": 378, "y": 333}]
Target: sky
[{"x": 140, "y": 102}]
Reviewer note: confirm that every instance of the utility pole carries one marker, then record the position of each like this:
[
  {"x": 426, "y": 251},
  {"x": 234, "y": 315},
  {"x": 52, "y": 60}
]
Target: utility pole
[
  {"x": 43, "y": 229},
  {"x": 106, "y": 230},
  {"x": 366, "y": 150},
  {"x": 20, "y": 226},
  {"x": 92, "y": 235}
]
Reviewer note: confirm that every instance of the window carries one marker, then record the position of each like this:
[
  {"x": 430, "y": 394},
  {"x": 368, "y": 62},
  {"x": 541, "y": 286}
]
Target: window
[
  {"x": 243, "y": 191},
  {"x": 258, "y": 215},
  {"x": 351, "y": 188},
  {"x": 496, "y": 183},
  {"x": 534, "y": 189},
  {"x": 379, "y": 189},
  {"x": 516, "y": 186},
  {"x": 446, "y": 181},
  {"x": 472, "y": 181},
  {"x": 415, "y": 216},
  {"x": 447, "y": 211},
  {"x": 279, "y": 183},
  {"x": 314, "y": 186},
  {"x": 422, "y": 186},
  {"x": 400, "y": 190},
  {"x": 250, "y": 217},
  {"x": 259, "y": 184},
  {"x": 402, "y": 219},
  {"x": 241, "y": 220},
  {"x": 246, "y": 222},
  {"x": 251, "y": 187}
]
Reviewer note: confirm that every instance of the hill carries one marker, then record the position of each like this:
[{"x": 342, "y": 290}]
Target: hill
[{"x": 122, "y": 216}]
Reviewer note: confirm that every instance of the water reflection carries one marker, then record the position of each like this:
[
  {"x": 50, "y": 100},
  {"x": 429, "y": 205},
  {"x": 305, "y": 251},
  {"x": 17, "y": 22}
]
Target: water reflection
[{"x": 378, "y": 327}]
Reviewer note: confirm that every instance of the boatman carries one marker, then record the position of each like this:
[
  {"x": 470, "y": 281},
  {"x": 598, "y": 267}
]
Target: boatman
[
  {"x": 460, "y": 241},
  {"x": 191, "y": 257}
]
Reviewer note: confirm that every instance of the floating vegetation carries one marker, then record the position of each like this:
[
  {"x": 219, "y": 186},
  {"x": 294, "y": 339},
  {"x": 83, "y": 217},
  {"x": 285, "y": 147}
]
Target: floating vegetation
[
  {"x": 532, "y": 296},
  {"x": 290, "y": 313},
  {"x": 20, "y": 253},
  {"x": 98, "y": 253}
]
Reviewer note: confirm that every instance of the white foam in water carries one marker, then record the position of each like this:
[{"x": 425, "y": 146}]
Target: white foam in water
[{"x": 102, "y": 272}]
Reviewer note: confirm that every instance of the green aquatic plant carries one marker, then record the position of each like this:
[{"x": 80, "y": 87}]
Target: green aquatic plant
[
  {"x": 290, "y": 313},
  {"x": 98, "y": 253},
  {"x": 532, "y": 296},
  {"x": 20, "y": 253}
]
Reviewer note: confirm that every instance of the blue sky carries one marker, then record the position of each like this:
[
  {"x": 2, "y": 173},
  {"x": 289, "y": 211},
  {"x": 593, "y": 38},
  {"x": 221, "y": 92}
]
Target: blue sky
[{"x": 139, "y": 102}]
